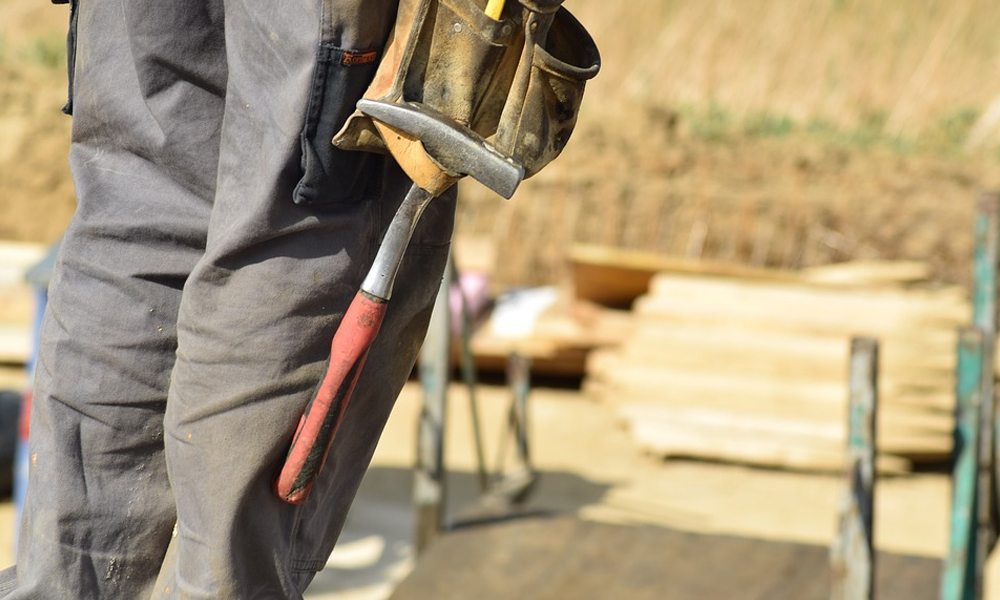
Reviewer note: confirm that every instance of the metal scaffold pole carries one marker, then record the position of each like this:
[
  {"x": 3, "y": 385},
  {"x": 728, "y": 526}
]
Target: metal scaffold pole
[
  {"x": 429, "y": 489},
  {"x": 853, "y": 554}
]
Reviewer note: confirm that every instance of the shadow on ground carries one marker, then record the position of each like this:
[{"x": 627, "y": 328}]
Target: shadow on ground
[
  {"x": 565, "y": 557},
  {"x": 375, "y": 550}
]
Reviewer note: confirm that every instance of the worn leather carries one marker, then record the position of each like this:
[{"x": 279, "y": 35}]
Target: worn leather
[{"x": 517, "y": 82}]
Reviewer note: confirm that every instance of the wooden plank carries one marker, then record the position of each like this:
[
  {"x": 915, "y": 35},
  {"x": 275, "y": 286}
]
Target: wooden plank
[
  {"x": 13, "y": 378},
  {"x": 584, "y": 325},
  {"x": 799, "y": 308},
  {"x": 677, "y": 440},
  {"x": 667, "y": 425},
  {"x": 16, "y": 258},
  {"x": 764, "y": 359},
  {"x": 17, "y": 304},
  {"x": 561, "y": 362},
  {"x": 567, "y": 558},
  {"x": 15, "y": 344},
  {"x": 629, "y": 380},
  {"x": 818, "y": 417},
  {"x": 560, "y": 341},
  {"x": 732, "y": 360},
  {"x": 616, "y": 277},
  {"x": 868, "y": 273},
  {"x": 919, "y": 349}
]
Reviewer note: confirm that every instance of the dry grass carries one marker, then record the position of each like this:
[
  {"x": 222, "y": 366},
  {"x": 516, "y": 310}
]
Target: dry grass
[
  {"x": 912, "y": 63},
  {"x": 772, "y": 132},
  {"x": 769, "y": 132}
]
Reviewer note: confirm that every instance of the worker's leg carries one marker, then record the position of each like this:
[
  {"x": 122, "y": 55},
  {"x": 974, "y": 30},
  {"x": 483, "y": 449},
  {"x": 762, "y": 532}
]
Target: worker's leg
[
  {"x": 259, "y": 309},
  {"x": 145, "y": 136}
]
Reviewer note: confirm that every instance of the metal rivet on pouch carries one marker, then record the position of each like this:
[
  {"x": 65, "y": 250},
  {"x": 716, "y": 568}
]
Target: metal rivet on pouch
[{"x": 457, "y": 27}]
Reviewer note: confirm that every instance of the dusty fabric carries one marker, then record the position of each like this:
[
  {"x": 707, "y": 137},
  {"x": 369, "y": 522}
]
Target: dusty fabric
[{"x": 195, "y": 295}]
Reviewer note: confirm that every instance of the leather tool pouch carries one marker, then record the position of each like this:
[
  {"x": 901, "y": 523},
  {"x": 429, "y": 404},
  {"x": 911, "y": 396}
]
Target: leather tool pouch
[{"x": 517, "y": 82}]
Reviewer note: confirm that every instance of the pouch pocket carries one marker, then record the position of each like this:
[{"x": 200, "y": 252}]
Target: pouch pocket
[
  {"x": 461, "y": 61},
  {"x": 332, "y": 176},
  {"x": 559, "y": 72}
]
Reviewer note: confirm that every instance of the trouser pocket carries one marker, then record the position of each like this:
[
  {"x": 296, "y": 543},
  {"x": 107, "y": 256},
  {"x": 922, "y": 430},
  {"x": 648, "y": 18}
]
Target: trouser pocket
[
  {"x": 74, "y": 9},
  {"x": 331, "y": 176}
]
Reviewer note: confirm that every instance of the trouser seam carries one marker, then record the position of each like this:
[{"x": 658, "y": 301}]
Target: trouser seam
[{"x": 299, "y": 565}]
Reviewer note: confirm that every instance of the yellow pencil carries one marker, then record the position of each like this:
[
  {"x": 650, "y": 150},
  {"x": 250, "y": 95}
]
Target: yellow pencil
[{"x": 494, "y": 8}]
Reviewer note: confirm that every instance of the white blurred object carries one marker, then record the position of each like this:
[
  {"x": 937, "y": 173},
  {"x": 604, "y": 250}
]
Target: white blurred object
[
  {"x": 357, "y": 554},
  {"x": 516, "y": 312}
]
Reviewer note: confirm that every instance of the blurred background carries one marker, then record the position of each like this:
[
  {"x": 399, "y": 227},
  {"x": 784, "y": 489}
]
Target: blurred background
[{"x": 660, "y": 321}]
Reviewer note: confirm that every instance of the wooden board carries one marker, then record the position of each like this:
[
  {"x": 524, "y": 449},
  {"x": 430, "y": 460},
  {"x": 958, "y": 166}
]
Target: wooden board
[
  {"x": 868, "y": 273},
  {"x": 770, "y": 440},
  {"x": 663, "y": 383},
  {"x": 563, "y": 557},
  {"x": 16, "y": 258},
  {"x": 17, "y": 302},
  {"x": 658, "y": 341},
  {"x": 561, "y": 340},
  {"x": 15, "y": 344},
  {"x": 792, "y": 369},
  {"x": 615, "y": 277},
  {"x": 792, "y": 307},
  {"x": 754, "y": 370}
]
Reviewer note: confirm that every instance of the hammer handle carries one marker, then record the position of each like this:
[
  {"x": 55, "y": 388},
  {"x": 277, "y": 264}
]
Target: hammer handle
[{"x": 325, "y": 412}]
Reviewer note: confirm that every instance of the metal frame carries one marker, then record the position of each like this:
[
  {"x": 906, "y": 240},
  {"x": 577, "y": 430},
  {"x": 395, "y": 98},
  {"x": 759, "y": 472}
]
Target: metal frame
[
  {"x": 975, "y": 472},
  {"x": 430, "y": 489},
  {"x": 852, "y": 558}
]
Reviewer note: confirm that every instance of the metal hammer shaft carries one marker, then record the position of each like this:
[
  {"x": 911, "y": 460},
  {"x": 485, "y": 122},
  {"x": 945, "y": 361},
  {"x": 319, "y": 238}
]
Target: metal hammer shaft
[
  {"x": 452, "y": 151},
  {"x": 348, "y": 352}
]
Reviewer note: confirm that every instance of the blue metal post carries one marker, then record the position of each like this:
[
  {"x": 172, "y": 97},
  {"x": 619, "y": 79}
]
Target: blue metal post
[
  {"x": 853, "y": 553},
  {"x": 38, "y": 277},
  {"x": 468, "y": 367},
  {"x": 429, "y": 475},
  {"x": 21, "y": 454},
  {"x": 958, "y": 582},
  {"x": 984, "y": 316}
]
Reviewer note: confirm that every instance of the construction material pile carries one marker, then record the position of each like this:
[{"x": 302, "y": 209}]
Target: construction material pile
[
  {"x": 16, "y": 300},
  {"x": 753, "y": 369}
]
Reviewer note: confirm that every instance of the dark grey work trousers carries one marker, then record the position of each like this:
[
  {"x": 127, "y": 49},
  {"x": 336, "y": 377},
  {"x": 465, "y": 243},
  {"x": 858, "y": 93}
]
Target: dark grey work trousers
[{"x": 218, "y": 240}]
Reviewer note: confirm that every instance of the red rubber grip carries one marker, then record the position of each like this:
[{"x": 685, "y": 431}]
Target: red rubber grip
[{"x": 325, "y": 411}]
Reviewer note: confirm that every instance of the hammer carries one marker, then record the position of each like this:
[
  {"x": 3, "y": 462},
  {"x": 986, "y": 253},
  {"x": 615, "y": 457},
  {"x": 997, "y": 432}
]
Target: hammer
[{"x": 435, "y": 152}]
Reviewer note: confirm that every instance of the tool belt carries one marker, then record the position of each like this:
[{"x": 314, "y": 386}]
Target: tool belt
[{"x": 517, "y": 82}]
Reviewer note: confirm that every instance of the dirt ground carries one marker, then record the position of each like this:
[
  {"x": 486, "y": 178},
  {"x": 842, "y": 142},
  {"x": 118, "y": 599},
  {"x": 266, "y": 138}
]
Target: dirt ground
[{"x": 590, "y": 468}]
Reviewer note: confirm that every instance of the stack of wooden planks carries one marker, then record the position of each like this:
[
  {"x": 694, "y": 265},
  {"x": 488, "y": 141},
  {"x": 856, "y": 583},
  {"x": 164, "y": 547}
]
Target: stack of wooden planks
[
  {"x": 754, "y": 370},
  {"x": 560, "y": 340},
  {"x": 17, "y": 308},
  {"x": 16, "y": 300}
]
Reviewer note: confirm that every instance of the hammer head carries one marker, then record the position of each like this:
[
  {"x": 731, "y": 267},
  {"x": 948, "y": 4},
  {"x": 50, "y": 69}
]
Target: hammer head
[{"x": 456, "y": 148}]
